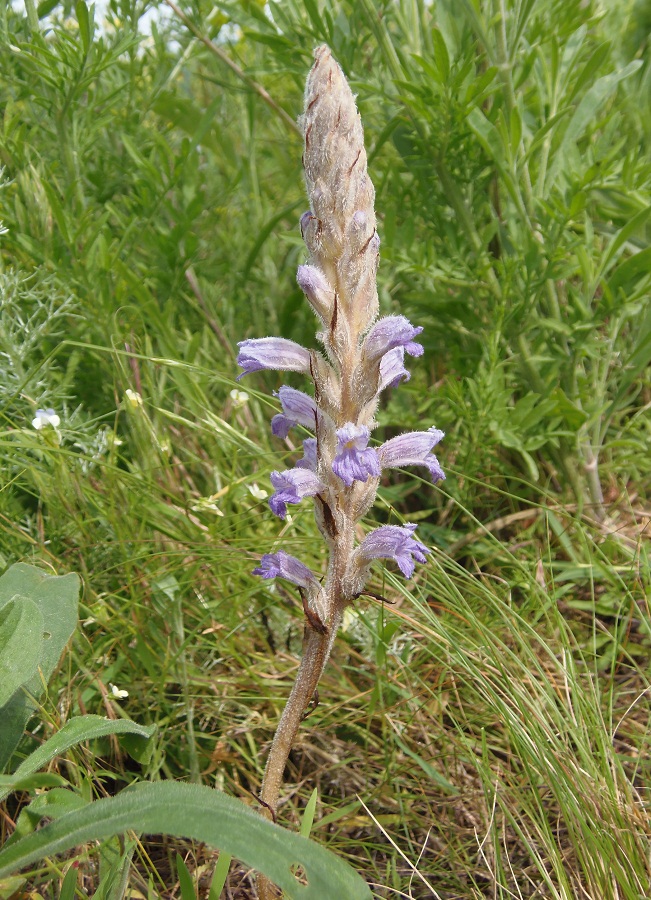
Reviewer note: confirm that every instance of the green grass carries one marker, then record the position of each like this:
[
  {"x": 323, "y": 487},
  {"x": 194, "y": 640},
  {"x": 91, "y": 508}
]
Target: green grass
[{"x": 488, "y": 734}]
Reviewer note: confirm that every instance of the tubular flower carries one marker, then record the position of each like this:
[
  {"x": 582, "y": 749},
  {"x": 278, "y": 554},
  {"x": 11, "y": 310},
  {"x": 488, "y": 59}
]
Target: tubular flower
[
  {"x": 391, "y": 332},
  {"x": 355, "y": 460},
  {"x": 282, "y": 565},
  {"x": 413, "y": 449},
  {"x": 272, "y": 353},
  {"x": 290, "y": 487},
  {"x": 298, "y": 409},
  {"x": 392, "y": 542}
]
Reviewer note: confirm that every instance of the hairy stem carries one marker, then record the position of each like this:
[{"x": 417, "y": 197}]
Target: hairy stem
[{"x": 316, "y": 650}]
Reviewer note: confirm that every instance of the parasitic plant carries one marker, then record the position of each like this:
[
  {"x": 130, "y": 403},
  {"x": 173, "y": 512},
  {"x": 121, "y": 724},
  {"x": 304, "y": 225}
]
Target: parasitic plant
[{"x": 363, "y": 356}]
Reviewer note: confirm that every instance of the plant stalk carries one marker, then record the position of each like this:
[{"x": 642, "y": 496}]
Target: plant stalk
[{"x": 316, "y": 650}]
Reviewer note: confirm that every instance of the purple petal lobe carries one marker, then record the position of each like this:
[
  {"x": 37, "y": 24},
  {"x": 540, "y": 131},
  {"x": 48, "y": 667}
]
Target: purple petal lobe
[
  {"x": 413, "y": 449},
  {"x": 298, "y": 409},
  {"x": 282, "y": 565},
  {"x": 309, "y": 459},
  {"x": 394, "y": 542},
  {"x": 354, "y": 460},
  {"x": 392, "y": 369},
  {"x": 272, "y": 353},
  {"x": 391, "y": 332},
  {"x": 290, "y": 487}
]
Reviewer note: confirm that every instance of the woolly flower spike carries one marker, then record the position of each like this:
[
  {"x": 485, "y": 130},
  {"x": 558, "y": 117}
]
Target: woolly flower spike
[
  {"x": 298, "y": 409},
  {"x": 391, "y": 332},
  {"x": 355, "y": 460},
  {"x": 392, "y": 542},
  {"x": 282, "y": 565},
  {"x": 291, "y": 486},
  {"x": 413, "y": 449},
  {"x": 44, "y": 417},
  {"x": 272, "y": 353}
]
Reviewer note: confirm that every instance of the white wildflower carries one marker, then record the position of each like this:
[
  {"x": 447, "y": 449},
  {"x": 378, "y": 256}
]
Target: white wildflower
[
  {"x": 239, "y": 398},
  {"x": 117, "y": 692},
  {"x": 45, "y": 417},
  {"x": 256, "y": 492}
]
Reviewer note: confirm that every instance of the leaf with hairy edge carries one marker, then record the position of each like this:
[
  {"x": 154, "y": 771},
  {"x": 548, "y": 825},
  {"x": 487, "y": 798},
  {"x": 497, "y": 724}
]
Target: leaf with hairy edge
[{"x": 203, "y": 814}]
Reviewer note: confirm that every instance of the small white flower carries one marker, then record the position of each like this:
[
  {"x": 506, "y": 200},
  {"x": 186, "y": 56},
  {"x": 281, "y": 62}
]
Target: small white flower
[
  {"x": 133, "y": 398},
  {"x": 256, "y": 492},
  {"x": 117, "y": 693},
  {"x": 45, "y": 417},
  {"x": 239, "y": 398}
]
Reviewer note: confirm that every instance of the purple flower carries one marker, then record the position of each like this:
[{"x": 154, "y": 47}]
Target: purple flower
[
  {"x": 354, "y": 460},
  {"x": 392, "y": 368},
  {"x": 290, "y": 487},
  {"x": 298, "y": 409},
  {"x": 413, "y": 449},
  {"x": 393, "y": 542},
  {"x": 282, "y": 565},
  {"x": 272, "y": 353},
  {"x": 308, "y": 460},
  {"x": 391, "y": 332}
]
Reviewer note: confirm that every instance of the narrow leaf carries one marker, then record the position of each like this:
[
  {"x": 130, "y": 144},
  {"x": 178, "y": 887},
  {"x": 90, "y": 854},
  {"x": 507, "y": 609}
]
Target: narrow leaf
[{"x": 220, "y": 875}]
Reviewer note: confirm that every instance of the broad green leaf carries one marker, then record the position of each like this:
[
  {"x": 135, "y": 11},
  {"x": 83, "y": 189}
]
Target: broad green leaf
[
  {"x": 81, "y": 728},
  {"x": 21, "y": 641},
  {"x": 203, "y": 814},
  {"x": 57, "y": 598}
]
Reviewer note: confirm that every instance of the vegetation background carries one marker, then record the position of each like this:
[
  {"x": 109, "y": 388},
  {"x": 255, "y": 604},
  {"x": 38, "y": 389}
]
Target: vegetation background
[{"x": 487, "y": 735}]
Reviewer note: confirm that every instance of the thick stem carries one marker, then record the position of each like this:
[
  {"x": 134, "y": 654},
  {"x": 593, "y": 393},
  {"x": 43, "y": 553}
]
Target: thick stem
[{"x": 316, "y": 650}]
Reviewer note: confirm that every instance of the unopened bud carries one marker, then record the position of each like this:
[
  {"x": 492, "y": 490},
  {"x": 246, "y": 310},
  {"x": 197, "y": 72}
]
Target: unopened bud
[{"x": 315, "y": 286}]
